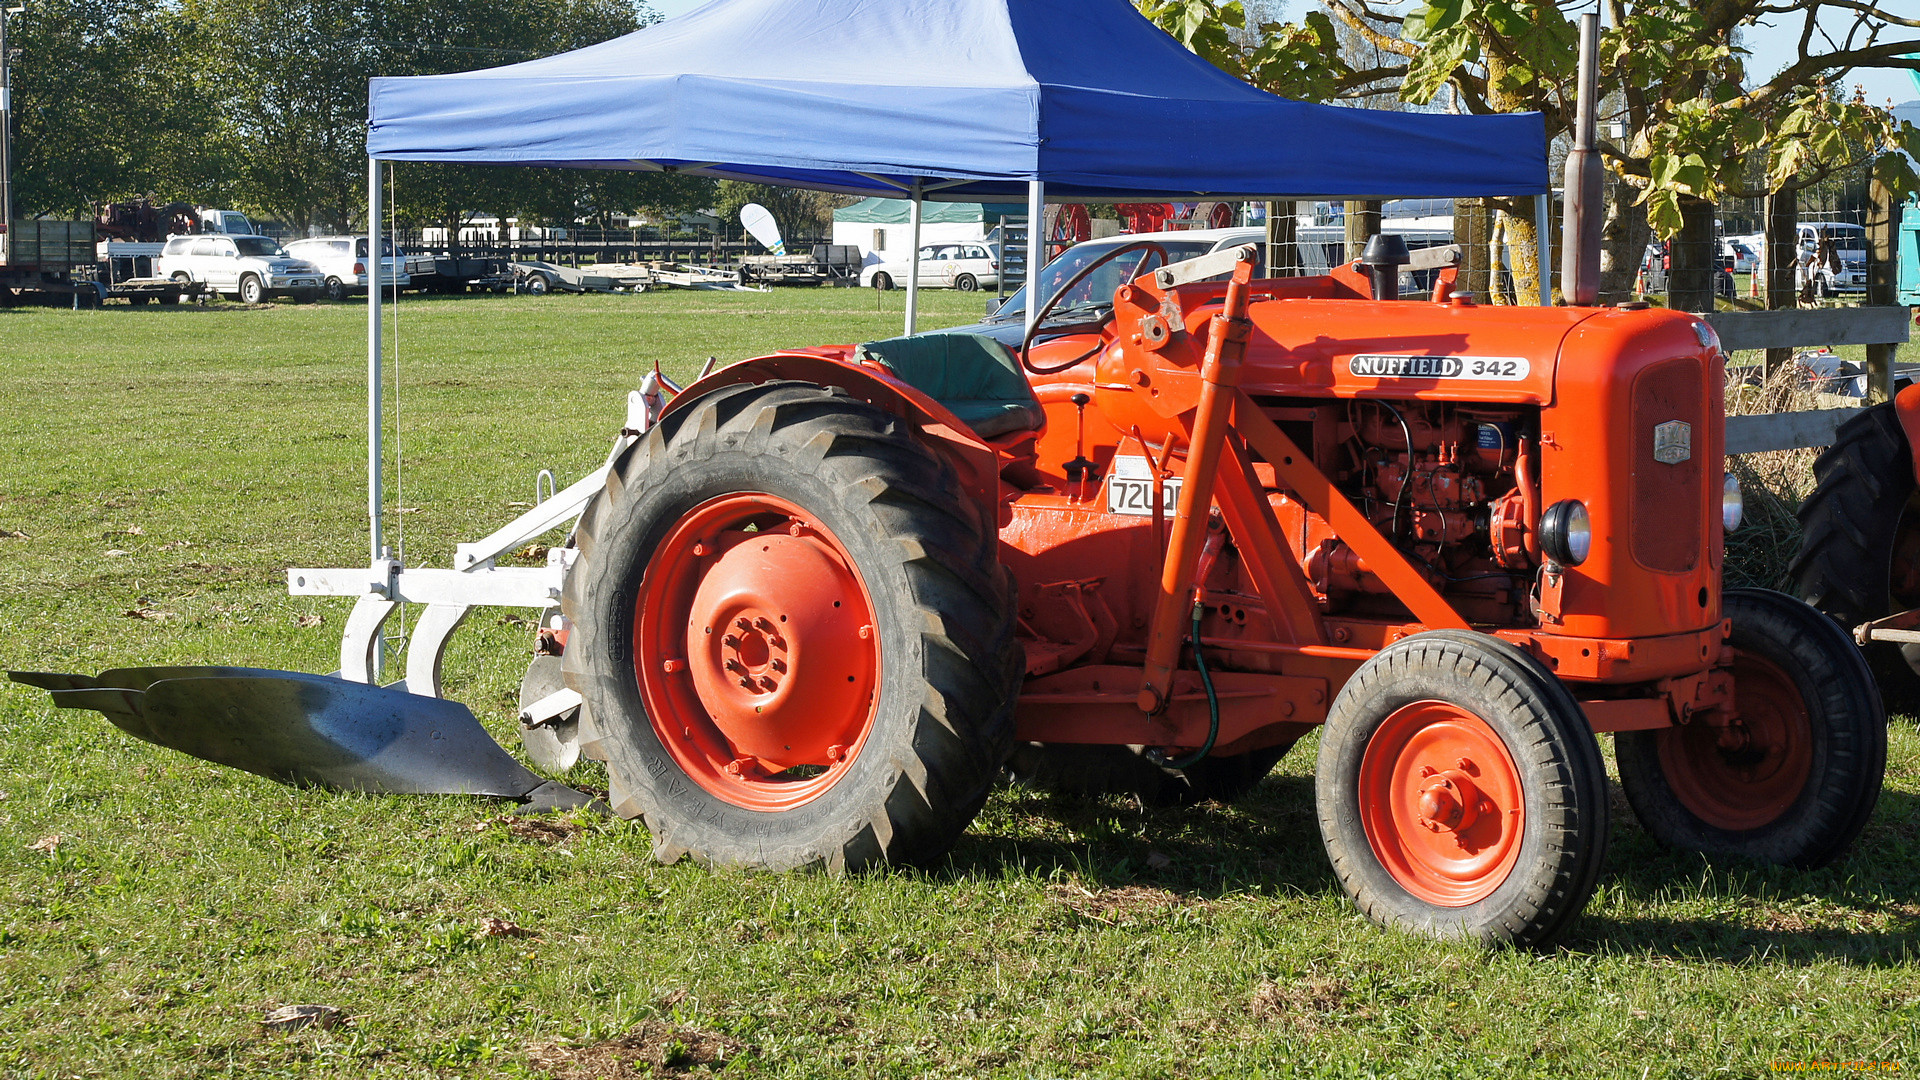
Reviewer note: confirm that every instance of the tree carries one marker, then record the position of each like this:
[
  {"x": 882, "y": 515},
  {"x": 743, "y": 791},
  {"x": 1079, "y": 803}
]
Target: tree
[
  {"x": 291, "y": 77},
  {"x": 106, "y": 106},
  {"x": 1673, "y": 70}
]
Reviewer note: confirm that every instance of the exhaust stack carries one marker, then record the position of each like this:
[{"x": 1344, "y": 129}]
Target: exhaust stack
[{"x": 1581, "y": 220}]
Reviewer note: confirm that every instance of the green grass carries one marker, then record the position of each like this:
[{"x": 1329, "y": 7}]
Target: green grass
[{"x": 183, "y": 900}]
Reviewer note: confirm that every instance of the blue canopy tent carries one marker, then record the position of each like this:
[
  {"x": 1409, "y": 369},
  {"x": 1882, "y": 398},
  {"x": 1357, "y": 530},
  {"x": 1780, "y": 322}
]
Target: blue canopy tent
[{"x": 968, "y": 100}]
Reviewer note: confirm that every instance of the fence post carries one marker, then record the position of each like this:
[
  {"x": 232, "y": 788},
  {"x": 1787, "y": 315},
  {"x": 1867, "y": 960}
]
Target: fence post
[
  {"x": 1282, "y": 240},
  {"x": 1781, "y": 252},
  {"x": 1883, "y": 267},
  {"x": 1363, "y": 224}
]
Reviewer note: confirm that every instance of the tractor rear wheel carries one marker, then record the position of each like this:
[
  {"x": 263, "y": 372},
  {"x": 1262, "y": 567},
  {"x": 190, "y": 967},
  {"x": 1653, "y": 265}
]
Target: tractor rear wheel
[
  {"x": 792, "y": 635},
  {"x": 1076, "y": 769},
  {"x": 1793, "y": 780},
  {"x": 1859, "y": 555},
  {"x": 1461, "y": 792}
]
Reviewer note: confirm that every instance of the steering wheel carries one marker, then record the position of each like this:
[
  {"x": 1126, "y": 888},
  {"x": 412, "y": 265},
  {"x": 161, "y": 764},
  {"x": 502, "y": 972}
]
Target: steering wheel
[{"x": 1145, "y": 247}]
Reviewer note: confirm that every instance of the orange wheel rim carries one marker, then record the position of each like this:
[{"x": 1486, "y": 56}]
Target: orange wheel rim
[
  {"x": 756, "y": 650},
  {"x": 1747, "y": 775},
  {"x": 1442, "y": 803}
]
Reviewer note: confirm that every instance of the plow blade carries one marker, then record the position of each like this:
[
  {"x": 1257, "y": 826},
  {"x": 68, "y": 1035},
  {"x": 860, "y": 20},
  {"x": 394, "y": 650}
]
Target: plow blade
[{"x": 309, "y": 730}]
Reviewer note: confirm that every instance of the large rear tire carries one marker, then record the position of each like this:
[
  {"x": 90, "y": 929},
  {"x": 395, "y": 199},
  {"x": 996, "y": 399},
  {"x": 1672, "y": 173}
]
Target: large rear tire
[
  {"x": 1859, "y": 555},
  {"x": 1804, "y": 768},
  {"x": 792, "y": 635},
  {"x": 1461, "y": 792}
]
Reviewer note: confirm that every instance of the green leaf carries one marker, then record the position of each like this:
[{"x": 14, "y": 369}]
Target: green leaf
[
  {"x": 1436, "y": 63},
  {"x": 1663, "y": 213}
]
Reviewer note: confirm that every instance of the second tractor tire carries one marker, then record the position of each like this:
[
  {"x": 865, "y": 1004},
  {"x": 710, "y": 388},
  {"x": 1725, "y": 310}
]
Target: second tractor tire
[
  {"x": 1860, "y": 541},
  {"x": 1805, "y": 773}
]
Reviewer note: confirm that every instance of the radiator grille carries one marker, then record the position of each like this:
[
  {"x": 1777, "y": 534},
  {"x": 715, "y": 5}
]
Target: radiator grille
[{"x": 1666, "y": 498}]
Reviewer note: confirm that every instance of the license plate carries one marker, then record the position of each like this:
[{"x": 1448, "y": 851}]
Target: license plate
[{"x": 1130, "y": 489}]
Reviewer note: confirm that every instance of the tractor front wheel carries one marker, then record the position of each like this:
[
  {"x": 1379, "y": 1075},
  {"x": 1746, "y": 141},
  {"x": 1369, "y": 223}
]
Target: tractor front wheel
[
  {"x": 1793, "y": 778},
  {"x": 792, "y": 635},
  {"x": 1461, "y": 793}
]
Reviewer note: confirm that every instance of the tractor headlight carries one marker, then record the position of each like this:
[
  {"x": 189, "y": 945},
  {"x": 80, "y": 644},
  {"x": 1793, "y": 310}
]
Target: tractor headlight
[
  {"x": 1566, "y": 532},
  {"x": 1732, "y": 504}
]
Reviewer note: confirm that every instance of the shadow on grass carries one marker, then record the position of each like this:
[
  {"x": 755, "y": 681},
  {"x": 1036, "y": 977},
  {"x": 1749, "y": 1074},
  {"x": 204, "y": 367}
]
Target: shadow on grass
[
  {"x": 1863, "y": 910},
  {"x": 1266, "y": 842}
]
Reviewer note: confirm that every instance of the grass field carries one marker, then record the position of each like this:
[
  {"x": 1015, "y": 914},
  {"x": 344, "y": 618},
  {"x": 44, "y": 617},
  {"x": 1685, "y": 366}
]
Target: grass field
[{"x": 162, "y": 466}]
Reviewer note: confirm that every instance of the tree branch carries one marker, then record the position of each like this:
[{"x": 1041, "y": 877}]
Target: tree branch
[{"x": 1366, "y": 30}]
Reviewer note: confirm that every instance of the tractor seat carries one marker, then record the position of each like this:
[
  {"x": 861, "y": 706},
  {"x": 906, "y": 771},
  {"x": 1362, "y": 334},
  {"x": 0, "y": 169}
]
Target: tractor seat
[{"x": 976, "y": 378}]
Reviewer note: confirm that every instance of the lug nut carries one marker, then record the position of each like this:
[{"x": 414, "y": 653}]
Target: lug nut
[{"x": 779, "y": 665}]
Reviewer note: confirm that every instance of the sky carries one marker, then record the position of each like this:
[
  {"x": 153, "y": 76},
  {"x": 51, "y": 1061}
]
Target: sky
[{"x": 1772, "y": 48}]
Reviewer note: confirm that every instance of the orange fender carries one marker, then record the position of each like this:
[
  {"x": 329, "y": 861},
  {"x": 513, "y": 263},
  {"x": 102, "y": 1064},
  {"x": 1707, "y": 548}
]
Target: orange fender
[
  {"x": 1906, "y": 408},
  {"x": 976, "y": 462}
]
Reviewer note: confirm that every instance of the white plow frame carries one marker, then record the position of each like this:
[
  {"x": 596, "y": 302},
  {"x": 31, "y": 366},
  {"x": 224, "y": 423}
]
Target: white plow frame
[{"x": 475, "y": 580}]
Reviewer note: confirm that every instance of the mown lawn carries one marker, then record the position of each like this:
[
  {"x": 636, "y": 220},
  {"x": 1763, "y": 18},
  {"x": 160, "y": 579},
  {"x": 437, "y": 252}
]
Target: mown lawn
[{"x": 160, "y": 467}]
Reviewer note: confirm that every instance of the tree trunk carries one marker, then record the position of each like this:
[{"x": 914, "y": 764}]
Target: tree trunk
[
  {"x": 1624, "y": 240},
  {"x": 1692, "y": 258},
  {"x": 1523, "y": 248},
  {"x": 1471, "y": 225},
  {"x": 1779, "y": 251}
]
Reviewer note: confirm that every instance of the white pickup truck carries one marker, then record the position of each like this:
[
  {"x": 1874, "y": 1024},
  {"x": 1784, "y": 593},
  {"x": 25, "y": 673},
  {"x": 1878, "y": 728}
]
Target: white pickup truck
[{"x": 252, "y": 268}]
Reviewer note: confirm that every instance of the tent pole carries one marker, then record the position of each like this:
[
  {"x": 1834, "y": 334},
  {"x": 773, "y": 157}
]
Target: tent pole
[
  {"x": 1543, "y": 240},
  {"x": 913, "y": 259},
  {"x": 1036, "y": 228},
  {"x": 374, "y": 353}
]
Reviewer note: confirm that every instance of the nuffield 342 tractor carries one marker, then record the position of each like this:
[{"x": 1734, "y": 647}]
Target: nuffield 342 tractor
[
  {"x": 832, "y": 594},
  {"x": 823, "y": 599}
]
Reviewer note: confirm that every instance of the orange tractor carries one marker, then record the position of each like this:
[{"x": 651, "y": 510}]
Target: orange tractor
[{"x": 834, "y": 592}]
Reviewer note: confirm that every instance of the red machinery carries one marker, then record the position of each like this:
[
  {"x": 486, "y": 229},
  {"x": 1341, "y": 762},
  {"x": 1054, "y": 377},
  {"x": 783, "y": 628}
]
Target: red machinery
[
  {"x": 819, "y": 603},
  {"x": 1071, "y": 224}
]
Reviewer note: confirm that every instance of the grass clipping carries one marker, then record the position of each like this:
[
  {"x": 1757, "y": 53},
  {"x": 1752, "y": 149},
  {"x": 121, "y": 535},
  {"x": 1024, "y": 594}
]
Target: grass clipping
[{"x": 1773, "y": 483}]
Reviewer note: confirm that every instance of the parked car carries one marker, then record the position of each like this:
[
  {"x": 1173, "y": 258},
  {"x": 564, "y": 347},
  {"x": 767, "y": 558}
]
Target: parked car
[
  {"x": 252, "y": 268},
  {"x": 343, "y": 263},
  {"x": 965, "y": 267},
  {"x": 1739, "y": 256}
]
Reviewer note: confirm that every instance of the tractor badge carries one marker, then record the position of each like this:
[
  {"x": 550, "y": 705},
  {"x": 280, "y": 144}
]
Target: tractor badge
[{"x": 1672, "y": 442}]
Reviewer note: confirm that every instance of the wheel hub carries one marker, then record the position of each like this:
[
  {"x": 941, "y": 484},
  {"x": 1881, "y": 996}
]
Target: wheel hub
[
  {"x": 755, "y": 650},
  {"x": 1442, "y": 803},
  {"x": 777, "y": 651},
  {"x": 1746, "y": 774}
]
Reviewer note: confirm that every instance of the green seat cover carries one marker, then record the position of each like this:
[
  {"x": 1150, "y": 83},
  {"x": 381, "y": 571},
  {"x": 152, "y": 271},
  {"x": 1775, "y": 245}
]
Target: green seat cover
[{"x": 975, "y": 377}]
